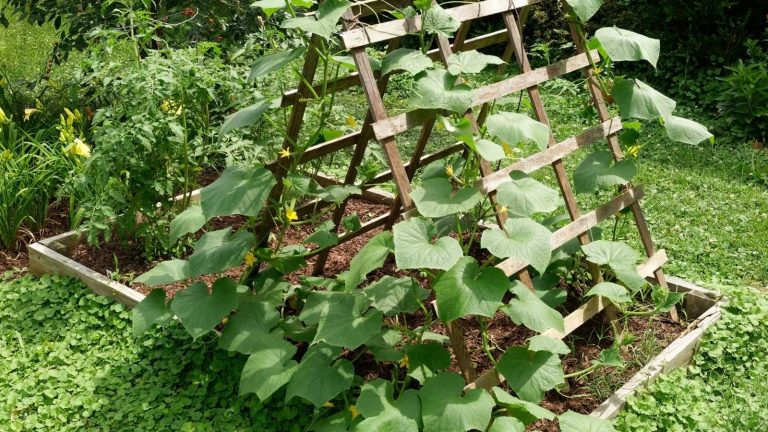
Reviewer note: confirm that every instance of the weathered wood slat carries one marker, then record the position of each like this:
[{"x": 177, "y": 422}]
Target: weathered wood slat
[
  {"x": 44, "y": 260},
  {"x": 550, "y": 155},
  {"x": 580, "y": 226},
  {"x": 367, "y": 35},
  {"x": 403, "y": 122},
  {"x": 678, "y": 354}
]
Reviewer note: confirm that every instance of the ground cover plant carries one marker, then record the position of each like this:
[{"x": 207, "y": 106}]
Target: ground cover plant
[
  {"x": 305, "y": 339},
  {"x": 68, "y": 362}
]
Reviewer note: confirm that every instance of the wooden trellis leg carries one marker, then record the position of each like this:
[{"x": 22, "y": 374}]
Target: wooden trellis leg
[
  {"x": 294, "y": 128},
  {"x": 613, "y": 143},
  {"x": 515, "y": 38},
  {"x": 357, "y": 157}
]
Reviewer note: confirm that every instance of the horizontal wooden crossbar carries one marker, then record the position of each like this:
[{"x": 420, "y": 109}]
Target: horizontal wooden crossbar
[
  {"x": 552, "y": 154},
  {"x": 403, "y": 122},
  {"x": 580, "y": 226},
  {"x": 353, "y": 79},
  {"x": 575, "y": 319},
  {"x": 363, "y": 36}
]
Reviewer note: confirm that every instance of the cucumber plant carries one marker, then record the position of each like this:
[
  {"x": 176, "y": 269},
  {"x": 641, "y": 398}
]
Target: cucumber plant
[{"x": 316, "y": 339}]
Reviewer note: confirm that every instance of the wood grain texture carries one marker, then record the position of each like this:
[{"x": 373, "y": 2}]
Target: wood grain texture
[{"x": 366, "y": 35}]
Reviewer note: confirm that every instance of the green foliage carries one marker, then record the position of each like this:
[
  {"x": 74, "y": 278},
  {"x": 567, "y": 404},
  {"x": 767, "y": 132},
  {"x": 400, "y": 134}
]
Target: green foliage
[
  {"x": 744, "y": 101},
  {"x": 69, "y": 363},
  {"x": 31, "y": 171},
  {"x": 723, "y": 389}
]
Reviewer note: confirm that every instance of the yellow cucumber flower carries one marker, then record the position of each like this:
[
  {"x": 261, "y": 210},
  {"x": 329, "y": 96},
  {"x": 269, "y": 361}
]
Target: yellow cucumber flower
[
  {"x": 285, "y": 153},
  {"x": 328, "y": 404},
  {"x": 351, "y": 121},
  {"x": 249, "y": 259},
  {"x": 3, "y": 118},
  {"x": 404, "y": 362},
  {"x": 291, "y": 214},
  {"x": 449, "y": 170},
  {"x": 355, "y": 412}
]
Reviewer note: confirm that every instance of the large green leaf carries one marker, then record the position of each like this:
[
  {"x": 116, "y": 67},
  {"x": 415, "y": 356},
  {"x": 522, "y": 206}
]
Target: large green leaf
[
  {"x": 575, "y": 422},
  {"x": 585, "y": 9},
  {"x": 200, "y": 311},
  {"x": 273, "y": 62},
  {"x": 526, "y": 411},
  {"x": 471, "y": 62},
  {"x": 244, "y": 117},
  {"x": 218, "y": 251},
  {"x": 621, "y": 258},
  {"x": 414, "y": 248},
  {"x": 444, "y": 409},
  {"x": 638, "y": 100},
  {"x": 395, "y": 295},
  {"x": 435, "y": 198},
  {"x": 597, "y": 171},
  {"x": 239, "y": 190},
  {"x": 438, "y": 21},
  {"x": 625, "y": 45},
  {"x": 426, "y": 360},
  {"x": 150, "y": 311},
  {"x": 528, "y": 309},
  {"x": 613, "y": 292},
  {"x": 514, "y": 128},
  {"x": 377, "y": 404},
  {"x": 437, "y": 89},
  {"x": 530, "y": 373},
  {"x": 370, "y": 257},
  {"x": 521, "y": 238},
  {"x": 188, "y": 221},
  {"x": 466, "y": 289},
  {"x": 268, "y": 369},
  {"x": 506, "y": 424},
  {"x": 337, "y": 193},
  {"x": 524, "y": 196},
  {"x": 546, "y": 343},
  {"x": 166, "y": 272},
  {"x": 324, "y": 236},
  {"x": 686, "y": 131},
  {"x": 410, "y": 60},
  {"x": 345, "y": 320},
  {"x": 251, "y": 328},
  {"x": 489, "y": 150},
  {"x": 322, "y": 23},
  {"x": 319, "y": 378}
]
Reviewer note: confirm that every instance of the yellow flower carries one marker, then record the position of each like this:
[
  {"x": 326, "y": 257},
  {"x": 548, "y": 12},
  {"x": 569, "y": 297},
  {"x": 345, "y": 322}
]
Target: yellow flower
[
  {"x": 351, "y": 121},
  {"x": 634, "y": 151},
  {"x": 249, "y": 259},
  {"x": 449, "y": 171},
  {"x": 284, "y": 153},
  {"x": 165, "y": 106},
  {"x": 29, "y": 112},
  {"x": 291, "y": 214},
  {"x": 3, "y": 118},
  {"x": 503, "y": 211},
  {"x": 78, "y": 148},
  {"x": 328, "y": 404},
  {"x": 354, "y": 411},
  {"x": 404, "y": 362}
]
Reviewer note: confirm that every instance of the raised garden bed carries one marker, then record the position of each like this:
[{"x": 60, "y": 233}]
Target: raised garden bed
[{"x": 701, "y": 309}]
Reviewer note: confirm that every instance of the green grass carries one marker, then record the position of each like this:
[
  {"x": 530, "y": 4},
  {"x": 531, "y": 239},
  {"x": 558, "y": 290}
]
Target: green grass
[{"x": 68, "y": 362}]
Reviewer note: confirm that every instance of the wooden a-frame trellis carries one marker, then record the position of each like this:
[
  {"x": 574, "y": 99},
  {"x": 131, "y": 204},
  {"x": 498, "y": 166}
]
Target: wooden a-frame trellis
[{"x": 379, "y": 125}]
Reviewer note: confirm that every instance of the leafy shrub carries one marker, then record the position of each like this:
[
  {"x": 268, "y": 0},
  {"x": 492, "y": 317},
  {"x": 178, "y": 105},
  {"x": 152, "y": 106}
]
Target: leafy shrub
[
  {"x": 725, "y": 389},
  {"x": 68, "y": 363},
  {"x": 744, "y": 101},
  {"x": 152, "y": 138}
]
